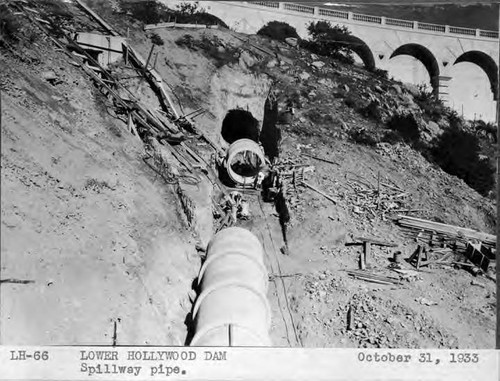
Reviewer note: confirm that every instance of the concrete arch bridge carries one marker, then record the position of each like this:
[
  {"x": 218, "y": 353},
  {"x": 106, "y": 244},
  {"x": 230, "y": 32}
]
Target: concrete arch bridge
[{"x": 459, "y": 64}]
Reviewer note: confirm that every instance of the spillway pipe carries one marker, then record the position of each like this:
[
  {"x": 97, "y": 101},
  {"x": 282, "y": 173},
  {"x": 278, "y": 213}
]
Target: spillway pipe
[
  {"x": 232, "y": 307},
  {"x": 243, "y": 146},
  {"x": 235, "y": 266},
  {"x": 236, "y": 335}
]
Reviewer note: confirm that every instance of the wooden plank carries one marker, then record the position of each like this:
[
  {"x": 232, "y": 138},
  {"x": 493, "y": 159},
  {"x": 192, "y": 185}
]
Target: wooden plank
[
  {"x": 42, "y": 20},
  {"x": 319, "y": 158},
  {"x": 451, "y": 230},
  {"x": 159, "y": 25},
  {"x": 190, "y": 26},
  {"x": 193, "y": 154},
  {"x": 372, "y": 277},
  {"x": 174, "y": 25},
  {"x": 375, "y": 241},
  {"x": 131, "y": 126},
  {"x": 165, "y": 121},
  {"x": 96, "y": 17},
  {"x": 374, "y": 280},
  {"x": 155, "y": 77},
  {"x": 320, "y": 192},
  {"x": 150, "y": 117}
]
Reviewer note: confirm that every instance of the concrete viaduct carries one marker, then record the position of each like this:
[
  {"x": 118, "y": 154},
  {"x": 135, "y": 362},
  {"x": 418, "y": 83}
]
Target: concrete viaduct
[{"x": 439, "y": 48}]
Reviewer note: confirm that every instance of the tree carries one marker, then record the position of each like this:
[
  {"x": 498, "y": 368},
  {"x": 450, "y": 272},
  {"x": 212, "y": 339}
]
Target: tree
[
  {"x": 278, "y": 30},
  {"x": 457, "y": 152},
  {"x": 189, "y": 8},
  {"x": 330, "y": 40},
  {"x": 156, "y": 39}
]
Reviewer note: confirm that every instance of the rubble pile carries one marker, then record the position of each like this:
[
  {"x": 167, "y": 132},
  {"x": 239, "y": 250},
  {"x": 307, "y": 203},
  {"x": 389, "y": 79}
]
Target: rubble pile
[
  {"x": 376, "y": 322},
  {"x": 371, "y": 320}
]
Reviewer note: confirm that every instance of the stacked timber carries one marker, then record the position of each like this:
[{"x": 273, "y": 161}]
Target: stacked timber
[{"x": 447, "y": 230}]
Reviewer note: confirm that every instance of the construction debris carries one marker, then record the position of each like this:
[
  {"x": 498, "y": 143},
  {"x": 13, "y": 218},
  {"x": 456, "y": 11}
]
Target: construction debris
[
  {"x": 374, "y": 278},
  {"x": 479, "y": 255},
  {"x": 375, "y": 201},
  {"x": 367, "y": 242}
]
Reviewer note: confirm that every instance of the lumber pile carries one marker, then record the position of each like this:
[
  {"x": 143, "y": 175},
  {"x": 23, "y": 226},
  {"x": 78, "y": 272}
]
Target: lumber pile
[{"x": 450, "y": 231}]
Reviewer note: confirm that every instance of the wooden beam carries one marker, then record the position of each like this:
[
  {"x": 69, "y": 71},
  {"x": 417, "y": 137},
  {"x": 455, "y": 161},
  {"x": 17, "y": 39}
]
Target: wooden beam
[
  {"x": 320, "y": 192},
  {"x": 97, "y": 18},
  {"x": 153, "y": 75},
  {"x": 375, "y": 241}
]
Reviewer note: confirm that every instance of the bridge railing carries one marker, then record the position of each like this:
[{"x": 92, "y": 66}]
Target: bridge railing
[
  {"x": 432, "y": 27},
  {"x": 367, "y": 18},
  {"x": 488, "y": 33},
  {"x": 407, "y": 24},
  {"x": 269, "y": 4},
  {"x": 298, "y": 8},
  {"x": 333, "y": 13},
  {"x": 399, "y": 23},
  {"x": 466, "y": 31}
]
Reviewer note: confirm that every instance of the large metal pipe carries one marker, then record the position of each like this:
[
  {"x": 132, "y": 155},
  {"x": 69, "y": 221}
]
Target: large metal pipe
[
  {"x": 244, "y": 147},
  {"x": 232, "y": 307}
]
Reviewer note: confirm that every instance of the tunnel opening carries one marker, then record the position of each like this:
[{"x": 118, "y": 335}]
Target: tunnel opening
[
  {"x": 244, "y": 157},
  {"x": 239, "y": 124},
  {"x": 425, "y": 56}
]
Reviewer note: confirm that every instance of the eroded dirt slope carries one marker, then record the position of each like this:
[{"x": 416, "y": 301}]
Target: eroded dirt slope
[{"x": 84, "y": 219}]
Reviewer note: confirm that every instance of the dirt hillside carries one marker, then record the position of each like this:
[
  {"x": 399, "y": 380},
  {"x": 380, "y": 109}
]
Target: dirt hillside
[
  {"x": 85, "y": 222},
  {"x": 97, "y": 244}
]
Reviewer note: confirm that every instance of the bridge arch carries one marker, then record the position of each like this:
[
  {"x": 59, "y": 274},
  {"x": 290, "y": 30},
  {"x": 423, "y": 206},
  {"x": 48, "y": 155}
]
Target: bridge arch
[
  {"x": 358, "y": 46},
  {"x": 425, "y": 56},
  {"x": 485, "y": 62}
]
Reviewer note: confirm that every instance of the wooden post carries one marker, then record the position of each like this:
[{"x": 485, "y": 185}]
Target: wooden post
[
  {"x": 156, "y": 58},
  {"x": 131, "y": 126},
  {"x": 378, "y": 190},
  {"x": 367, "y": 250},
  {"x": 149, "y": 57},
  {"x": 419, "y": 255}
]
